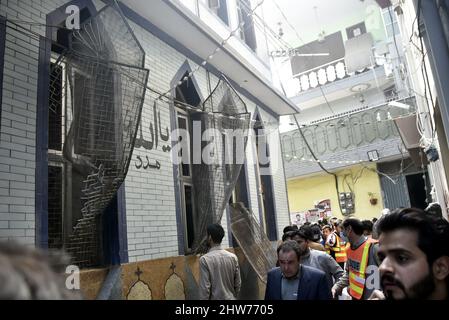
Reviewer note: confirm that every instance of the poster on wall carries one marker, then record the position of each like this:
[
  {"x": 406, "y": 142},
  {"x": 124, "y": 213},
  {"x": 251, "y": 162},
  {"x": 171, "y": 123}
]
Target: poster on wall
[
  {"x": 313, "y": 215},
  {"x": 324, "y": 208},
  {"x": 298, "y": 218},
  {"x": 321, "y": 210}
]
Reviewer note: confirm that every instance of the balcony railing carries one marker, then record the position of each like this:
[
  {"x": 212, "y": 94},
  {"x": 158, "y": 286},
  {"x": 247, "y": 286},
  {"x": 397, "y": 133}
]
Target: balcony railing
[
  {"x": 347, "y": 131},
  {"x": 330, "y": 72}
]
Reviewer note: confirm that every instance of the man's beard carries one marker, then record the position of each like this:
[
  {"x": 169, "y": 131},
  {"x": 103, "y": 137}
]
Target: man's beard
[
  {"x": 419, "y": 291},
  {"x": 304, "y": 252}
]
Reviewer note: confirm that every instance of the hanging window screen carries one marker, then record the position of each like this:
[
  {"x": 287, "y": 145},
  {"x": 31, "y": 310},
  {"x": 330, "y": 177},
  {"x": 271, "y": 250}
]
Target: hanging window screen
[{"x": 55, "y": 108}]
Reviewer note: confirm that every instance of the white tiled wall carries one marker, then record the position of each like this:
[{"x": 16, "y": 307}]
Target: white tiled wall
[{"x": 150, "y": 194}]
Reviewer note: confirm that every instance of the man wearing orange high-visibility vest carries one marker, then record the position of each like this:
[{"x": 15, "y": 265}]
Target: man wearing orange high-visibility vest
[
  {"x": 361, "y": 271},
  {"x": 334, "y": 245}
]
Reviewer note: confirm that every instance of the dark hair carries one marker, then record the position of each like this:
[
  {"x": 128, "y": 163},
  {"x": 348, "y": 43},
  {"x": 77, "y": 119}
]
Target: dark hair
[
  {"x": 326, "y": 227},
  {"x": 367, "y": 225},
  {"x": 290, "y": 245},
  {"x": 302, "y": 234},
  {"x": 435, "y": 210},
  {"x": 288, "y": 234},
  {"x": 355, "y": 224},
  {"x": 433, "y": 233},
  {"x": 216, "y": 232},
  {"x": 374, "y": 220},
  {"x": 338, "y": 223},
  {"x": 315, "y": 232},
  {"x": 290, "y": 228},
  {"x": 307, "y": 232}
]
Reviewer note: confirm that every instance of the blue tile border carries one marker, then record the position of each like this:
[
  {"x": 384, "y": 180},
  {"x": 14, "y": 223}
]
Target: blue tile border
[
  {"x": 271, "y": 215},
  {"x": 41, "y": 193},
  {"x": 2, "y": 60},
  {"x": 122, "y": 225}
]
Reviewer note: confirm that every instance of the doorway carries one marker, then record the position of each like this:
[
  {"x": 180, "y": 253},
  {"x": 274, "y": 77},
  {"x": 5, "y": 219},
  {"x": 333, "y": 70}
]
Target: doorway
[{"x": 417, "y": 190}]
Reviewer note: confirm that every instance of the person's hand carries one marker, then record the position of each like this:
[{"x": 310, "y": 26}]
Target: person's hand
[
  {"x": 336, "y": 291},
  {"x": 377, "y": 295}
]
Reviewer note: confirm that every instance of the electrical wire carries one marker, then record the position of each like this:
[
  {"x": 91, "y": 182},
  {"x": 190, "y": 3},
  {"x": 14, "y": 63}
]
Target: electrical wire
[
  {"x": 319, "y": 163},
  {"x": 261, "y": 23},
  {"x": 299, "y": 127},
  {"x": 328, "y": 104}
]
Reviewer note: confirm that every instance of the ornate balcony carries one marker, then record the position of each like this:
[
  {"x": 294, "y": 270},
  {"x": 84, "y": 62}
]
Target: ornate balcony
[
  {"x": 321, "y": 75},
  {"x": 344, "y": 139}
]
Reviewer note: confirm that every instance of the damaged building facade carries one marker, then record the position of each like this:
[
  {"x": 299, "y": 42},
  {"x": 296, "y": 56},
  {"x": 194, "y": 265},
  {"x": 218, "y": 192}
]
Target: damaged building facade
[
  {"x": 367, "y": 139},
  {"x": 95, "y": 95}
]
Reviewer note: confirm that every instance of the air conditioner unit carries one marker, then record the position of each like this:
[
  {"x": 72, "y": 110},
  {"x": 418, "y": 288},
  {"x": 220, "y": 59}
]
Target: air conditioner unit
[
  {"x": 408, "y": 131},
  {"x": 214, "y": 4}
]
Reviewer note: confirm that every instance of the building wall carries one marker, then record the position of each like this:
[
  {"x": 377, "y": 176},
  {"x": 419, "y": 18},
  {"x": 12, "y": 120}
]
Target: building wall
[
  {"x": 303, "y": 193},
  {"x": 414, "y": 60},
  {"x": 151, "y": 207},
  {"x": 278, "y": 174},
  {"x": 385, "y": 148},
  {"x": 150, "y": 194},
  {"x": 18, "y": 129},
  {"x": 350, "y": 102}
]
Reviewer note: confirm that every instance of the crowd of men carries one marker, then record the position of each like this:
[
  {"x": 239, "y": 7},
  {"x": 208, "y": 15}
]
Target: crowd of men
[{"x": 403, "y": 255}]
